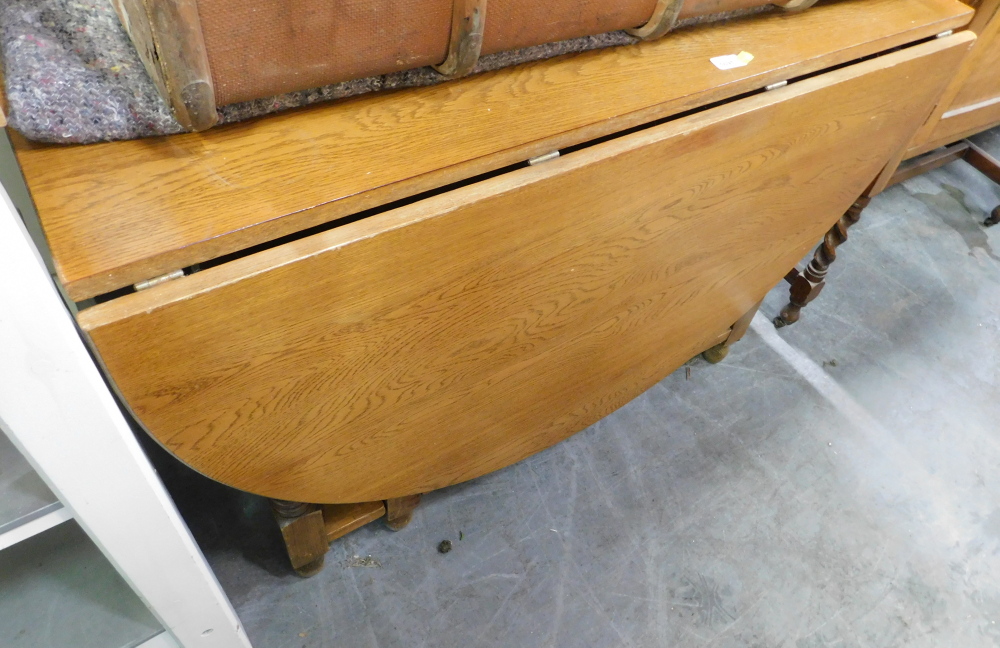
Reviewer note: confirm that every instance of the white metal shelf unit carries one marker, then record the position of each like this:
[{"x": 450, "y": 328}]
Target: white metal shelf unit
[
  {"x": 27, "y": 506},
  {"x": 59, "y": 590},
  {"x": 59, "y": 414}
]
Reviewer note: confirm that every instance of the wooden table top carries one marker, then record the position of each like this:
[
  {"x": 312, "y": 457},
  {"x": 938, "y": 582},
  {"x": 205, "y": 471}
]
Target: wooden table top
[{"x": 120, "y": 212}]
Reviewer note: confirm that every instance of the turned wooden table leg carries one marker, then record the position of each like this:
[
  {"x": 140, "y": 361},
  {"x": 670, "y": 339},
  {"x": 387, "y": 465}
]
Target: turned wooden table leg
[
  {"x": 304, "y": 533},
  {"x": 399, "y": 511},
  {"x": 808, "y": 284}
]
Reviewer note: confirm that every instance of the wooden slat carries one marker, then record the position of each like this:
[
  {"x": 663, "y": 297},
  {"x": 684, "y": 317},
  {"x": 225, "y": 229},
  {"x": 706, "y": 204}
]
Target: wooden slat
[
  {"x": 122, "y": 212},
  {"x": 983, "y": 162},
  {"x": 443, "y": 340},
  {"x": 341, "y": 519},
  {"x": 925, "y": 163}
]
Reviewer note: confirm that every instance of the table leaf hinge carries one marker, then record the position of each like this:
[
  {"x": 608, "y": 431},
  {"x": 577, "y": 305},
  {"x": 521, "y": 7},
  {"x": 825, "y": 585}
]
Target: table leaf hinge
[
  {"x": 156, "y": 281},
  {"x": 548, "y": 157}
]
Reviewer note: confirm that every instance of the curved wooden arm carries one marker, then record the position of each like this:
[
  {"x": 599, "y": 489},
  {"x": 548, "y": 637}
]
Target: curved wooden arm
[
  {"x": 467, "y": 25},
  {"x": 664, "y": 18}
]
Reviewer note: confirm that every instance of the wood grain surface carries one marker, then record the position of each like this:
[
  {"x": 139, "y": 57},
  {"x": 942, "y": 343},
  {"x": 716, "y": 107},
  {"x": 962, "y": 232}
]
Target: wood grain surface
[
  {"x": 977, "y": 80},
  {"x": 118, "y": 213},
  {"x": 341, "y": 519},
  {"x": 439, "y": 341},
  {"x": 957, "y": 114},
  {"x": 983, "y": 85},
  {"x": 976, "y": 106}
]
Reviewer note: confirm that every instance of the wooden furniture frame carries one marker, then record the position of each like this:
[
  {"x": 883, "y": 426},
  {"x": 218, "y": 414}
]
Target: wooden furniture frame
[
  {"x": 337, "y": 309},
  {"x": 970, "y": 104}
]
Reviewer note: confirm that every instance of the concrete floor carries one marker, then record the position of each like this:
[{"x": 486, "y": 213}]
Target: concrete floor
[{"x": 830, "y": 484}]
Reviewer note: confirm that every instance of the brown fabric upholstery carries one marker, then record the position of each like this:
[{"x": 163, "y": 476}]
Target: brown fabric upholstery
[
  {"x": 513, "y": 24},
  {"x": 692, "y": 8},
  {"x": 261, "y": 48}
]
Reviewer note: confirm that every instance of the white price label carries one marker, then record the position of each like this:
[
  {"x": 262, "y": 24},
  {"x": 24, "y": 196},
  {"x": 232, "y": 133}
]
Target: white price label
[{"x": 730, "y": 61}]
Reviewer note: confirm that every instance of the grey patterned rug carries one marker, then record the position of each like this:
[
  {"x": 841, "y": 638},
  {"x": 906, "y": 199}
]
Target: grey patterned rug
[{"x": 72, "y": 75}]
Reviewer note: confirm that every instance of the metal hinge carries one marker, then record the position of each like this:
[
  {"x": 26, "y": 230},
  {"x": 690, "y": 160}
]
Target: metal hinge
[
  {"x": 945, "y": 33},
  {"x": 543, "y": 158},
  {"x": 775, "y": 86},
  {"x": 156, "y": 281}
]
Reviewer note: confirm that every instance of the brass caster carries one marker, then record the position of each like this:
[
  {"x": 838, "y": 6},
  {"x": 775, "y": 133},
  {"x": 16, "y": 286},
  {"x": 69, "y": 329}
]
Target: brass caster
[
  {"x": 788, "y": 315},
  {"x": 716, "y": 354},
  {"x": 311, "y": 569},
  {"x": 993, "y": 219}
]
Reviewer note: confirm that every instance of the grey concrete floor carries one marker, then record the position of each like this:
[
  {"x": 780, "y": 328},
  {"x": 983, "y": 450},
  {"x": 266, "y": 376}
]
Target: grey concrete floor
[{"x": 833, "y": 483}]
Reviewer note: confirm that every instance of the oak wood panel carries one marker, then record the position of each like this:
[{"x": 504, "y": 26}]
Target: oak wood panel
[
  {"x": 118, "y": 213},
  {"x": 433, "y": 343},
  {"x": 934, "y": 132},
  {"x": 984, "y": 81},
  {"x": 985, "y": 9},
  {"x": 951, "y": 118}
]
